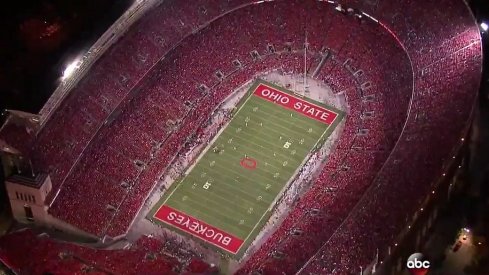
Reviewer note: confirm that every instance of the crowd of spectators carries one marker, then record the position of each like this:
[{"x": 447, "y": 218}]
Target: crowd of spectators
[
  {"x": 373, "y": 124},
  {"x": 26, "y": 252},
  {"x": 402, "y": 77},
  {"x": 444, "y": 48}
]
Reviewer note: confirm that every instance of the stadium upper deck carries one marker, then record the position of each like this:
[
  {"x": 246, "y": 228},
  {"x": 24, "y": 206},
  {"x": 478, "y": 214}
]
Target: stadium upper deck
[{"x": 408, "y": 69}]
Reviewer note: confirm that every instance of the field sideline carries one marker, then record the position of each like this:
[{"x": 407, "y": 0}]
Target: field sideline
[{"x": 227, "y": 196}]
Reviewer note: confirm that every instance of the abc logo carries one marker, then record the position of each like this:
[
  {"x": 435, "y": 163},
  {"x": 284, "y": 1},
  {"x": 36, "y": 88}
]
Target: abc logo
[{"x": 418, "y": 264}]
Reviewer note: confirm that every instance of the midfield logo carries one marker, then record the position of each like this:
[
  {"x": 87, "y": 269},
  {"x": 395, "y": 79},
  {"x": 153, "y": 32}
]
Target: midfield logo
[{"x": 418, "y": 264}]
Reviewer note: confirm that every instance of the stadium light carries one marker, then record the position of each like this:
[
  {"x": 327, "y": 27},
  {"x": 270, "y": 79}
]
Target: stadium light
[
  {"x": 70, "y": 69},
  {"x": 484, "y": 26}
]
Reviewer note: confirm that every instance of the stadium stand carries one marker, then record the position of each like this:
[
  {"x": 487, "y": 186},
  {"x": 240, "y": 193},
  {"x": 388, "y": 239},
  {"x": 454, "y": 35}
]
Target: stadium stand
[
  {"x": 46, "y": 255},
  {"x": 411, "y": 71},
  {"x": 17, "y": 136}
]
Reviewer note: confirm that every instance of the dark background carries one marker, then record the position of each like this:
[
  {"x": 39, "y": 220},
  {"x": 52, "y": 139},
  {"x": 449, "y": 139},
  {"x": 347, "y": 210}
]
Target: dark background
[{"x": 38, "y": 38}]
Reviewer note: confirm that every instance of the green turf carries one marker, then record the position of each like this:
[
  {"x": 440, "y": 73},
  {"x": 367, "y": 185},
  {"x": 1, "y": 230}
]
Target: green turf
[{"x": 237, "y": 200}]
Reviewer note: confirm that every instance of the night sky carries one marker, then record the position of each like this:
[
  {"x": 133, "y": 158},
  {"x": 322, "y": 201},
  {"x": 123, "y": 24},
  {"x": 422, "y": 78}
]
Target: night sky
[{"x": 37, "y": 39}]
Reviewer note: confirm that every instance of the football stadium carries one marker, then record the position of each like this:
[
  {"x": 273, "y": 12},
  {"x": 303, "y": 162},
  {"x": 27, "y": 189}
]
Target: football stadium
[{"x": 246, "y": 137}]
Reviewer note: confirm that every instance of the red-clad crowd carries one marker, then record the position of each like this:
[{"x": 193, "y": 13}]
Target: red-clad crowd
[
  {"x": 403, "y": 78},
  {"x": 26, "y": 252}
]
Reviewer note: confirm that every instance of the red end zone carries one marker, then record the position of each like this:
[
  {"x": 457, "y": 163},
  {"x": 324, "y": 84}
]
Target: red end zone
[
  {"x": 291, "y": 102},
  {"x": 199, "y": 229}
]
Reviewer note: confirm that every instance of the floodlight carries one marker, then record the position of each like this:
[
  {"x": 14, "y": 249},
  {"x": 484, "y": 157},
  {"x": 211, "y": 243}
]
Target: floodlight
[
  {"x": 70, "y": 69},
  {"x": 484, "y": 26}
]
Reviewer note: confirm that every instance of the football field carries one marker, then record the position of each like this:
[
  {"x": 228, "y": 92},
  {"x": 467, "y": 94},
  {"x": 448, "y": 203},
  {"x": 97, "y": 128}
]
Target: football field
[{"x": 228, "y": 194}]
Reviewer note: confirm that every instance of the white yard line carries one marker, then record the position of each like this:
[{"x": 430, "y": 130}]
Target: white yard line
[
  {"x": 272, "y": 205},
  {"x": 207, "y": 149}
]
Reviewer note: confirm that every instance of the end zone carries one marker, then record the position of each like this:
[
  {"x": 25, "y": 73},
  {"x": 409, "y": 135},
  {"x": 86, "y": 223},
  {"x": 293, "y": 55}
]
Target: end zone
[
  {"x": 199, "y": 229},
  {"x": 294, "y": 103}
]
